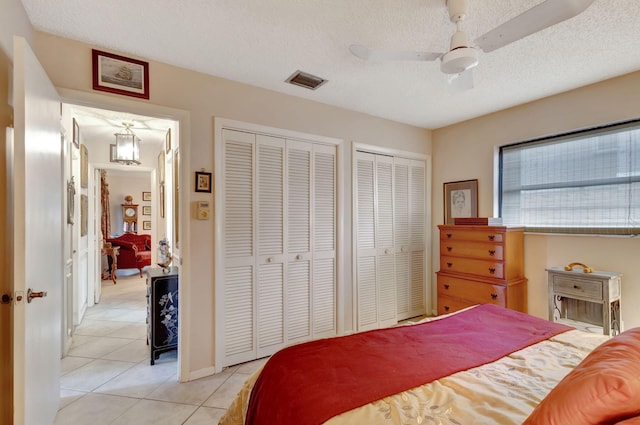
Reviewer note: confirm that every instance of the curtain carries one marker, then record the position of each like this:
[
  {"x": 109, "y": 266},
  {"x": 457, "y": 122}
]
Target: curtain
[{"x": 105, "y": 221}]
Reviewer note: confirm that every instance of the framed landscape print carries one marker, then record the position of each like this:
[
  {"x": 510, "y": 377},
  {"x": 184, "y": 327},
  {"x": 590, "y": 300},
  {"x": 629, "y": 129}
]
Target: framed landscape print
[{"x": 118, "y": 74}]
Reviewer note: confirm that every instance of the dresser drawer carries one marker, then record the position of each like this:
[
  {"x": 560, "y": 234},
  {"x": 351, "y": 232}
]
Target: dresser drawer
[
  {"x": 449, "y": 305},
  {"x": 576, "y": 287},
  {"x": 480, "y": 250},
  {"x": 471, "y": 291},
  {"x": 492, "y": 269},
  {"x": 482, "y": 235}
]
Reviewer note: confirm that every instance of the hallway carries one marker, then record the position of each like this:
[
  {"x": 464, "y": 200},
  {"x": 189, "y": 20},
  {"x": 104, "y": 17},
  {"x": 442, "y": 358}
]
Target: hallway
[{"x": 106, "y": 377}]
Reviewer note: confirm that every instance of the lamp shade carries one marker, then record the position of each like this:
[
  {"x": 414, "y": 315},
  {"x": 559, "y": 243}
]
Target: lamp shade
[{"x": 127, "y": 147}]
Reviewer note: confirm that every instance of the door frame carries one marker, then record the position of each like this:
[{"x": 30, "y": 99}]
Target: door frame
[{"x": 100, "y": 101}]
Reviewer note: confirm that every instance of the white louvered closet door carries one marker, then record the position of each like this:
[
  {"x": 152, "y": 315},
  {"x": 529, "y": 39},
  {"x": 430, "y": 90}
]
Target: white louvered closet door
[
  {"x": 298, "y": 282},
  {"x": 375, "y": 265},
  {"x": 270, "y": 297},
  {"x": 402, "y": 236},
  {"x": 366, "y": 254},
  {"x": 239, "y": 344},
  {"x": 324, "y": 241},
  {"x": 418, "y": 238},
  {"x": 386, "y": 274},
  {"x": 278, "y": 244},
  {"x": 409, "y": 208}
]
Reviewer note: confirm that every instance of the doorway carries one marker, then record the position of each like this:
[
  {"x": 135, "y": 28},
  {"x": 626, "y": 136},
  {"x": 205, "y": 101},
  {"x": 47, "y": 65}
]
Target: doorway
[{"x": 92, "y": 151}]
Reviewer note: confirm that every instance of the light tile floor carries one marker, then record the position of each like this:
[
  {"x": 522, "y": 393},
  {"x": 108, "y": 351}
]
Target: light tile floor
[{"x": 106, "y": 377}]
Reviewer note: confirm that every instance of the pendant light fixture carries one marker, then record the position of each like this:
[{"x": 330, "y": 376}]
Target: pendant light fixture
[{"x": 127, "y": 146}]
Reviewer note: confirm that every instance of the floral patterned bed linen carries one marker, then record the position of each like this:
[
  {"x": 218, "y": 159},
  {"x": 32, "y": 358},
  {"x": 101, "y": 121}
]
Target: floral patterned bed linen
[{"x": 503, "y": 392}]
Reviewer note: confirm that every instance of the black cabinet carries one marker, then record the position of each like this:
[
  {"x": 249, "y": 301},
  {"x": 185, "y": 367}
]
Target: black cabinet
[{"x": 162, "y": 310}]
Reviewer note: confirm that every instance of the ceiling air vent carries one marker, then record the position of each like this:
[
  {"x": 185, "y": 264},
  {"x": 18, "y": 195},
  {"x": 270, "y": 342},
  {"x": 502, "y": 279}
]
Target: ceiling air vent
[{"x": 305, "y": 80}]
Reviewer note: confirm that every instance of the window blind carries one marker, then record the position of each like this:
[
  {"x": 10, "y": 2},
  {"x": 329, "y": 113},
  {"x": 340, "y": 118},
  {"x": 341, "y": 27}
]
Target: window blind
[{"x": 586, "y": 182}]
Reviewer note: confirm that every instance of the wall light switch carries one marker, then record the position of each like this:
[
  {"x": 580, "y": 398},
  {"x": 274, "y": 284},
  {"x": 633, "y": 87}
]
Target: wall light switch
[{"x": 202, "y": 210}]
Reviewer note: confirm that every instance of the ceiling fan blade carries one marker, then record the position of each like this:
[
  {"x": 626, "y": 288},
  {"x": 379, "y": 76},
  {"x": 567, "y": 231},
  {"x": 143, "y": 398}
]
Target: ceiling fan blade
[
  {"x": 368, "y": 54},
  {"x": 545, "y": 14}
]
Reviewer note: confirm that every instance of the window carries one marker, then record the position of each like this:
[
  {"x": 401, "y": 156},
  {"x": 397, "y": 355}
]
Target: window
[{"x": 583, "y": 182}]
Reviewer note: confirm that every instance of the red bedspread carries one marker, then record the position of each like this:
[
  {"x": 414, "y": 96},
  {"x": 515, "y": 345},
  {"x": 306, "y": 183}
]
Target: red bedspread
[{"x": 312, "y": 382}]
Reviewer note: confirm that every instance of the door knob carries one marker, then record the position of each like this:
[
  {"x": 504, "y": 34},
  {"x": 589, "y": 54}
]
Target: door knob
[{"x": 31, "y": 294}]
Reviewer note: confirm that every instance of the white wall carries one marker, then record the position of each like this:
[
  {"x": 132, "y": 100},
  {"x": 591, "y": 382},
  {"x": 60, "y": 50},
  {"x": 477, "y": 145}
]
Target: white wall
[
  {"x": 203, "y": 98},
  {"x": 606, "y": 102},
  {"x": 121, "y": 184}
]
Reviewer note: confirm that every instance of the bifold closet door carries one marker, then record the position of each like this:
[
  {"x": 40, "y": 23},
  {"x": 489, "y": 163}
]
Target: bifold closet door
[
  {"x": 409, "y": 216},
  {"x": 279, "y": 244},
  {"x": 239, "y": 339},
  {"x": 375, "y": 265},
  {"x": 270, "y": 230}
]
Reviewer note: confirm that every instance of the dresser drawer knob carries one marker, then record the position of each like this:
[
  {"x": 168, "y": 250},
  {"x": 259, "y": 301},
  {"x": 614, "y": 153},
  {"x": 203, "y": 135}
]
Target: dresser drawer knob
[
  {"x": 449, "y": 235},
  {"x": 446, "y": 286},
  {"x": 492, "y": 252},
  {"x": 449, "y": 264},
  {"x": 492, "y": 270},
  {"x": 449, "y": 248},
  {"x": 491, "y": 237},
  {"x": 494, "y": 296},
  {"x": 446, "y": 308}
]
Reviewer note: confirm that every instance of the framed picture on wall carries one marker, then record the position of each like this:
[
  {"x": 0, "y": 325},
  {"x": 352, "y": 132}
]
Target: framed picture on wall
[
  {"x": 76, "y": 134},
  {"x": 460, "y": 200},
  {"x": 146, "y": 196},
  {"x": 203, "y": 182},
  {"x": 84, "y": 166},
  {"x": 121, "y": 75},
  {"x": 167, "y": 141},
  {"x": 146, "y": 210},
  {"x": 146, "y": 225}
]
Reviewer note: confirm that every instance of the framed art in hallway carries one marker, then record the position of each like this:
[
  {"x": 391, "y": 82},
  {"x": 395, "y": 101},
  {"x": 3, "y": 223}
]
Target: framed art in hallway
[
  {"x": 460, "y": 200},
  {"x": 121, "y": 75},
  {"x": 146, "y": 196},
  {"x": 203, "y": 182},
  {"x": 146, "y": 210},
  {"x": 146, "y": 225}
]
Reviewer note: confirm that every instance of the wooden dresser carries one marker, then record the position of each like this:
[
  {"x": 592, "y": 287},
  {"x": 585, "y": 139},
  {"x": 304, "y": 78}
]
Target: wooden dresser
[{"x": 481, "y": 265}]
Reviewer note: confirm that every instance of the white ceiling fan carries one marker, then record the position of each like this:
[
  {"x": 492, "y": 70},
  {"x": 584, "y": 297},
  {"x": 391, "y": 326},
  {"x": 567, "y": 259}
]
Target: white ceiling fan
[{"x": 463, "y": 56}]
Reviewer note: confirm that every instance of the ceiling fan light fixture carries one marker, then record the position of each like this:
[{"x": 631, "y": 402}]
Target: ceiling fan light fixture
[{"x": 459, "y": 60}]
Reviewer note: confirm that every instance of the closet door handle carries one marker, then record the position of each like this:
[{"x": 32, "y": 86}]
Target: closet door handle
[
  {"x": 298, "y": 257},
  {"x": 269, "y": 259}
]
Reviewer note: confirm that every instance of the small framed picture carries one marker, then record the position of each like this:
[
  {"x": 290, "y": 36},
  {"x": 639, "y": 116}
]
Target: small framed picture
[
  {"x": 167, "y": 141},
  {"x": 460, "y": 200},
  {"x": 203, "y": 182},
  {"x": 121, "y": 75},
  {"x": 76, "y": 134},
  {"x": 146, "y": 210},
  {"x": 146, "y": 196},
  {"x": 112, "y": 153},
  {"x": 146, "y": 225},
  {"x": 161, "y": 166}
]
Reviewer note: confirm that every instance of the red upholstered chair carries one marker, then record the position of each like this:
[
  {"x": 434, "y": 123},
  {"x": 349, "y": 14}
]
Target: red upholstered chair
[{"x": 134, "y": 253}]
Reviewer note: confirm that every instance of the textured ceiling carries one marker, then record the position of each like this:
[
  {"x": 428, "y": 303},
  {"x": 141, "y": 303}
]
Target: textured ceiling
[{"x": 262, "y": 42}]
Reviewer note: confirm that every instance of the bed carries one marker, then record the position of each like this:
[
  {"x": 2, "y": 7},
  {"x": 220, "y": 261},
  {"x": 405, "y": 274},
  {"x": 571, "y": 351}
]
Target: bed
[{"x": 484, "y": 365}]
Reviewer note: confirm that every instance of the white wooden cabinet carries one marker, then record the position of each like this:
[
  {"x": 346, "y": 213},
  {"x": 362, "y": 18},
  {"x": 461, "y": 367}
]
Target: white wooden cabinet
[{"x": 279, "y": 243}]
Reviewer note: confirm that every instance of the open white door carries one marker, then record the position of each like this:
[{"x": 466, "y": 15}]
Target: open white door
[{"x": 36, "y": 211}]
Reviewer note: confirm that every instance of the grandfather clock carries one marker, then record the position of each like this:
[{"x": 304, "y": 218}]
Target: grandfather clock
[{"x": 130, "y": 218}]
